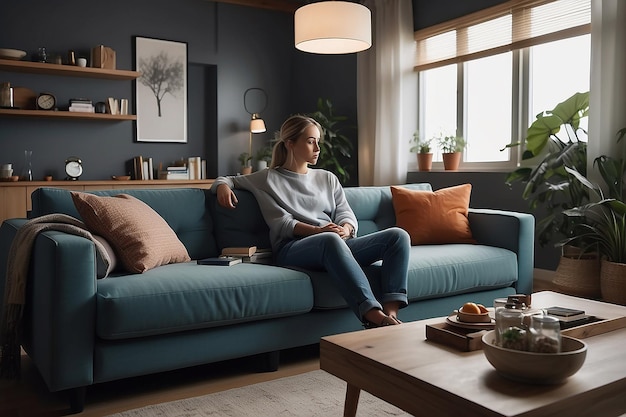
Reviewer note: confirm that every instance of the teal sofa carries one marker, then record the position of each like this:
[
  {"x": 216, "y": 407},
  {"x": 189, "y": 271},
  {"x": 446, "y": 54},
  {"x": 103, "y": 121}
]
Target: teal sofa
[{"x": 81, "y": 331}]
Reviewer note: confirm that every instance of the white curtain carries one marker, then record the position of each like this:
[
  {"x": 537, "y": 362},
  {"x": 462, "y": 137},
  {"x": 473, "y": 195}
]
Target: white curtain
[{"x": 386, "y": 94}]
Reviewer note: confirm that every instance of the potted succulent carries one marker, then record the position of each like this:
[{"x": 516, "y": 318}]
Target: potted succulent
[
  {"x": 451, "y": 148},
  {"x": 245, "y": 158},
  {"x": 601, "y": 224},
  {"x": 422, "y": 148}
]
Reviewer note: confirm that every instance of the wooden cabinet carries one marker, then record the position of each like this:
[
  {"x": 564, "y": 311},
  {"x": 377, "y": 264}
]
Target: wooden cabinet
[
  {"x": 15, "y": 198},
  {"x": 68, "y": 71}
]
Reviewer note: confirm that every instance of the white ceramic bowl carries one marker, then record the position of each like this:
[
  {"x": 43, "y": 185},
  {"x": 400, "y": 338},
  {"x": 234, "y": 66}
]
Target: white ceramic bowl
[
  {"x": 15, "y": 54},
  {"x": 532, "y": 367}
]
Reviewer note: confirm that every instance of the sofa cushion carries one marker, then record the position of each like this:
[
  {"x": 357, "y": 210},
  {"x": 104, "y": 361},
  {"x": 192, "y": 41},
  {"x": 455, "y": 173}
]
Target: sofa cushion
[
  {"x": 184, "y": 209},
  {"x": 435, "y": 271},
  {"x": 434, "y": 217},
  {"x": 187, "y": 296},
  {"x": 373, "y": 208},
  {"x": 140, "y": 237}
]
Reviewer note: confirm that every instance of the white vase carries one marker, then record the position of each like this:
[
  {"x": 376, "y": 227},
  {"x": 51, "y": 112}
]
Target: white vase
[{"x": 261, "y": 165}]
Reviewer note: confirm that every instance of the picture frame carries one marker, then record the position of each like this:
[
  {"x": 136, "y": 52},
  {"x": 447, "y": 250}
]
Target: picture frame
[{"x": 161, "y": 90}]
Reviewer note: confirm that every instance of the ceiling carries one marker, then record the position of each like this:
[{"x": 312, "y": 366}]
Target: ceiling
[{"x": 289, "y": 6}]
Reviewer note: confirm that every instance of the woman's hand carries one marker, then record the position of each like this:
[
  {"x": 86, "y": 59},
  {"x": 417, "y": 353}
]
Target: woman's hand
[{"x": 226, "y": 197}]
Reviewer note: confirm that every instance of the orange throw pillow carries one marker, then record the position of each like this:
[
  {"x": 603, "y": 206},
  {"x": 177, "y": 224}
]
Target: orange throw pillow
[
  {"x": 434, "y": 217},
  {"x": 141, "y": 238}
]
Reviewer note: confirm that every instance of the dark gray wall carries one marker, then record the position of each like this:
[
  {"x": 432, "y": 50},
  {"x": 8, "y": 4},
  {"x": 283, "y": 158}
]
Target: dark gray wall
[
  {"x": 230, "y": 49},
  {"x": 428, "y": 13}
]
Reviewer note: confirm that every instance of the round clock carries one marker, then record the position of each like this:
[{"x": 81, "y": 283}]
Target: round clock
[
  {"x": 46, "y": 101},
  {"x": 73, "y": 168}
]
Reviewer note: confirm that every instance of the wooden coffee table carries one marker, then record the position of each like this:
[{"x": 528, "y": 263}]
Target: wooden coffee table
[{"x": 398, "y": 365}]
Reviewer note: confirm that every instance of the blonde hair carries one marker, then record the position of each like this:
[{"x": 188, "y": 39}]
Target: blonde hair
[{"x": 291, "y": 130}]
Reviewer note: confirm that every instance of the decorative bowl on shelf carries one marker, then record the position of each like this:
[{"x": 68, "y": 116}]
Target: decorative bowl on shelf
[
  {"x": 120, "y": 177},
  {"x": 533, "y": 367},
  {"x": 15, "y": 54}
]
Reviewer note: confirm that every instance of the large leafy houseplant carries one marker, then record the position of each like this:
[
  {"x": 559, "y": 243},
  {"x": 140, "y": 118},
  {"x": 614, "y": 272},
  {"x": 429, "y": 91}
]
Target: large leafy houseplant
[
  {"x": 335, "y": 147},
  {"x": 601, "y": 224},
  {"x": 557, "y": 138}
]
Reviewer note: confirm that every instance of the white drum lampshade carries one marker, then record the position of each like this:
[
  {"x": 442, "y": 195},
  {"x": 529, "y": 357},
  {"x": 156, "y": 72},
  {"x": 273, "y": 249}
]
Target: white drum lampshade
[{"x": 333, "y": 27}]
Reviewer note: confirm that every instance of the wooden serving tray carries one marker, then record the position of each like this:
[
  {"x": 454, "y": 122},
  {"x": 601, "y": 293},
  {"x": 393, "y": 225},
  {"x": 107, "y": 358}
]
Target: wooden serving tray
[{"x": 461, "y": 339}]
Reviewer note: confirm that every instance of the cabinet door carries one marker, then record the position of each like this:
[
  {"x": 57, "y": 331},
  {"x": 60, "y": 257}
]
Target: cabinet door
[{"x": 12, "y": 202}]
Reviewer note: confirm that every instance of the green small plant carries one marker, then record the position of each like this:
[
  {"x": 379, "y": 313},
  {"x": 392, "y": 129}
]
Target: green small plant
[
  {"x": 451, "y": 144},
  {"x": 264, "y": 154},
  {"x": 245, "y": 159},
  {"x": 419, "y": 145}
]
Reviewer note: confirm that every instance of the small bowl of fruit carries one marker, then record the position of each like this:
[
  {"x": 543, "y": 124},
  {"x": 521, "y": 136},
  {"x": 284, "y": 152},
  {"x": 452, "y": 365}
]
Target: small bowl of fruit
[{"x": 473, "y": 313}]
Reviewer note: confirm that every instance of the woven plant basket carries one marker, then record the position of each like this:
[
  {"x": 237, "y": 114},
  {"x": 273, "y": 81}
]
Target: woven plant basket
[
  {"x": 577, "y": 274},
  {"x": 613, "y": 282}
]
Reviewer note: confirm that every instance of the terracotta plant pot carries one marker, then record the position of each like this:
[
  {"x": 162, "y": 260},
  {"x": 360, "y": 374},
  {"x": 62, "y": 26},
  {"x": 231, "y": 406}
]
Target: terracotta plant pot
[
  {"x": 246, "y": 170},
  {"x": 613, "y": 282},
  {"x": 451, "y": 161},
  {"x": 425, "y": 161}
]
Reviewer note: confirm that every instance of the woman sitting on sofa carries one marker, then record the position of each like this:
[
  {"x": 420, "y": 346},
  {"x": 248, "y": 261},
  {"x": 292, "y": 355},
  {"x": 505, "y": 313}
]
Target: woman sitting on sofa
[{"x": 312, "y": 225}]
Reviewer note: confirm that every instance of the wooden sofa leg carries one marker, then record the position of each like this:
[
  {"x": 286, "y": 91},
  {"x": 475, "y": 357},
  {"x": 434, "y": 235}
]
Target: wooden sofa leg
[
  {"x": 77, "y": 399},
  {"x": 268, "y": 362}
]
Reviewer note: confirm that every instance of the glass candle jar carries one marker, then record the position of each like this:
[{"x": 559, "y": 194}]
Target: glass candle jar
[
  {"x": 545, "y": 334},
  {"x": 510, "y": 329}
]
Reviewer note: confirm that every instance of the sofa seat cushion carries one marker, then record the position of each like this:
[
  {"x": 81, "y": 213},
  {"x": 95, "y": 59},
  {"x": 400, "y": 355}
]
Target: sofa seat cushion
[
  {"x": 186, "y": 296},
  {"x": 435, "y": 271}
]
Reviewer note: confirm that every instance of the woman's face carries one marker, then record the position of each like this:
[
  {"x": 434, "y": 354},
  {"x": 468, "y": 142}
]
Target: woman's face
[{"x": 306, "y": 147}]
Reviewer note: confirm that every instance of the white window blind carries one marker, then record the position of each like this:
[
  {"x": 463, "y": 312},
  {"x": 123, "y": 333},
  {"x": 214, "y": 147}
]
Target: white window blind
[{"x": 511, "y": 25}]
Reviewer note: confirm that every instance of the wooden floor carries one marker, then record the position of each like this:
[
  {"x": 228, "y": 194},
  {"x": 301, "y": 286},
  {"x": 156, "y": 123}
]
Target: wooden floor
[{"x": 29, "y": 397}]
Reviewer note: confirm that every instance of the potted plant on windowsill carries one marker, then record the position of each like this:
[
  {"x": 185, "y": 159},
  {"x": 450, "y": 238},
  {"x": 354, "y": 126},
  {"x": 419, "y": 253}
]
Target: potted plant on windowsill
[
  {"x": 451, "y": 148},
  {"x": 601, "y": 224},
  {"x": 422, "y": 148}
]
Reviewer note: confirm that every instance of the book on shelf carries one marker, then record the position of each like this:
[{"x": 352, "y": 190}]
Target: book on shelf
[
  {"x": 81, "y": 109},
  {"x": 239, "y": 251},
  {"x": 194, "y": 163},
  {"x": 80, "y": 101},
  {"x": 220, "y": 260},
  {"x": 140, "y": 168}
]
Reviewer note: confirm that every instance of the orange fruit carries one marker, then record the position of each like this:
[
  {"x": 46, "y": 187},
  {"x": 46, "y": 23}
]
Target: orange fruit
[{"x": 471, "y": 308}]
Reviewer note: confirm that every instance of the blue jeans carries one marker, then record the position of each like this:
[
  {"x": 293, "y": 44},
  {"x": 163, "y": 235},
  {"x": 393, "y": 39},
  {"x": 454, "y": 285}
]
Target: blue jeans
[{"x": 344, "y": 259}]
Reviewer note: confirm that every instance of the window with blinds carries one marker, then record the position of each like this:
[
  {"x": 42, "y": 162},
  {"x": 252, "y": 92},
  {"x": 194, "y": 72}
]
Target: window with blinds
[{"x": 510, "y": 26}]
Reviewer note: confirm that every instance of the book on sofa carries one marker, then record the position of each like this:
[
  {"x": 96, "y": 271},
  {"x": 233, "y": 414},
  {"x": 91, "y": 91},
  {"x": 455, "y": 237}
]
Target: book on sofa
[{"x": 220, "y": 260}]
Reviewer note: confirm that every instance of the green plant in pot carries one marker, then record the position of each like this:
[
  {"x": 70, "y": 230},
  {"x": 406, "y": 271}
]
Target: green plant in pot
[
  {"x": 263, "y": 157},
  {"x": 245, "y": 158},
  {"x": 556, "y": 139},
  {"x": 422, "y": 148},
  {"x": 451, "y": 148},
  {"x": 335, "y": 147},
  {"x": 601, "y": 224}
]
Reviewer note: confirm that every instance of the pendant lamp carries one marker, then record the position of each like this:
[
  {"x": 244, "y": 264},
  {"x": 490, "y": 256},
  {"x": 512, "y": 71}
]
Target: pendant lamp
[{"x": 333, "y": 27}]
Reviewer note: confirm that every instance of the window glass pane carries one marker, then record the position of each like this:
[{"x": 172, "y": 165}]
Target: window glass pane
[
  {"x": 557, "y": 71},
  {"x": 488, "y": 115},
  {"x": 439, "y": 104}
]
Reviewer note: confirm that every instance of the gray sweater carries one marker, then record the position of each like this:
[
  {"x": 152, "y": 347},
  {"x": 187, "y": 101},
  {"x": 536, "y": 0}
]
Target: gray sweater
[{"x": 286, "y": 198}]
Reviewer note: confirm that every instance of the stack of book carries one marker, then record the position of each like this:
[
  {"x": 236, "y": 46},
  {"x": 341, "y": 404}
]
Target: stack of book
[
  {"x": 174, "y": 173},
  {"x": 249, "y": 254},
  {"x": 81, "y": 105}
]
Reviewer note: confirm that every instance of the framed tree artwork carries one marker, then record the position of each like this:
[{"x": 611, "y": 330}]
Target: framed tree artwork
[{"x": 161, "y": 90}]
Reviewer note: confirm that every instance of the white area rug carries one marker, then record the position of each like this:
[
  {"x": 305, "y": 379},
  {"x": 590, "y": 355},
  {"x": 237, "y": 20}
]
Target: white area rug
[{"x": 311, "y": 394}]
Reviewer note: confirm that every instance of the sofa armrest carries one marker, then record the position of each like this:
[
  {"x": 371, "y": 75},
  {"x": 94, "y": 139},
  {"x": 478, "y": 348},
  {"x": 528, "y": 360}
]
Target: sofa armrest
[
  {"x": 509, "y": 230},
  {"x": 60, "y": 311}
]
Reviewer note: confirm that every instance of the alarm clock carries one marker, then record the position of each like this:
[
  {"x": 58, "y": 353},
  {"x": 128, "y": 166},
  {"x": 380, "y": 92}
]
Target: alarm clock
[
  {"x": 73, "y": 168},
  {"x": 46, "y": 101}
]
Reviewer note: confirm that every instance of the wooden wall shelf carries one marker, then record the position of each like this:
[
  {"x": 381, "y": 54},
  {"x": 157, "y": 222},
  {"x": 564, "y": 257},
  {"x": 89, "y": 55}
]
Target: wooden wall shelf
[
  {"x": 66, "y": 70},
  {"x": 64, "y": 114}
]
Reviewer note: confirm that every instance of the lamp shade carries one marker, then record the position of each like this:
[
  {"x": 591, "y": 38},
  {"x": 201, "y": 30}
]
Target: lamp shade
[
  {"x": 257, "y": 125},
  {"x": 333, "y": 27}
]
